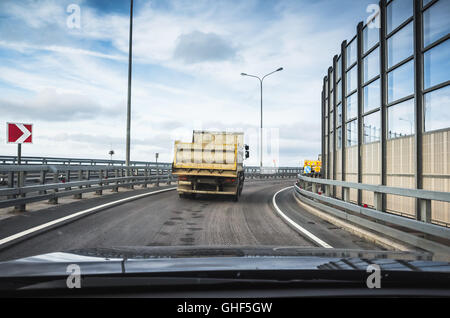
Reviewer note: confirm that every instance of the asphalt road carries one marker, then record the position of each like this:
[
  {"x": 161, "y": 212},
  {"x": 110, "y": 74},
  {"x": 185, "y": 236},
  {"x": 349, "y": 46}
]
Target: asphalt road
[{"x": 164, "y": 219}]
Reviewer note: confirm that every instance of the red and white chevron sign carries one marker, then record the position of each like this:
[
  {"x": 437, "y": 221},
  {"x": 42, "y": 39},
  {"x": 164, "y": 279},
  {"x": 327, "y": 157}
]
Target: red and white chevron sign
[{"x": 18, "y": 133}]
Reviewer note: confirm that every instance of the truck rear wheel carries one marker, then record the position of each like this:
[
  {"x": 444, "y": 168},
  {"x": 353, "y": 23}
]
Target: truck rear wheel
[
  {"x": 241, "y": 183},
  {"x": 238, "y": 193}
]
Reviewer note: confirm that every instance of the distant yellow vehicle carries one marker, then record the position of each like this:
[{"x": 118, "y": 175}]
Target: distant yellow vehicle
[{"x": 211, "y": 164}]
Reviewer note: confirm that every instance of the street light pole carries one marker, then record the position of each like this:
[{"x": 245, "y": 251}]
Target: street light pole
[
  {"x": 130, "y": 53},
  {"x": 157, "y": 169},
  {"x": 261, "y": 129},
  {"x": 261, "y": 80}
]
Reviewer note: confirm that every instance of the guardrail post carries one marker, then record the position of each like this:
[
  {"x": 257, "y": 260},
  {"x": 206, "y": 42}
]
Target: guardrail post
[
  {"x": 314, "y": 187},
  {"x": 88, "y": 177},
  {"x": 424, "y": 214},
  {"x": 42, "y": 177},
  {"x": 80, "y": 178},
  {"x": 107, "y": 174},
  {"x": 346, "y": 194},
  {"x": 54, "y": 200},
  {"x": 120, "y": 176},
  {"x": 20, "y": 184},
  {"x": 378, "y": 201},
  {"x": 131, "y": 178},
  {"x": 327, "y": 190},
  {"x": 169, "y": 176},
  {"x": 157, "y": 177},
  {"x": 68, "y": 178},
  {"x": 10, "y": 183},
  {"x": 146, "y": 178},
  {"x": 116, "y": 175},
  {"x": 100, "y": 176}
]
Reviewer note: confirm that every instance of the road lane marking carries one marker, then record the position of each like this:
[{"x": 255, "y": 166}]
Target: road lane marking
[
  {"x": 295, "y": 225},
  {"x": 71, "y": 216}
]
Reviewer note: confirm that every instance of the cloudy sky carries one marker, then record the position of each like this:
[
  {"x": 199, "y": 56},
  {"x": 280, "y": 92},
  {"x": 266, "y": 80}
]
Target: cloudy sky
[{"x": 71, "y": 82}]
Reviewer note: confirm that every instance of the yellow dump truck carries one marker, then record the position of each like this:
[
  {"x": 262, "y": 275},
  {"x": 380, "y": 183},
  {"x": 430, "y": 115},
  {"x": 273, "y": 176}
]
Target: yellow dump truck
[{"x": 211, "y": 164}]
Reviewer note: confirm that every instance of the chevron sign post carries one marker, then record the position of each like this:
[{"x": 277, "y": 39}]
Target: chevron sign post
[{"x": 18, "y": 133}]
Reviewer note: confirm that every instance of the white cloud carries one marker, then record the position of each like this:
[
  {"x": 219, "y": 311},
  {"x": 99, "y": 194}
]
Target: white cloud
[
  {"x": 199, "y": 47},
  {"x": 23, "y": 47}
]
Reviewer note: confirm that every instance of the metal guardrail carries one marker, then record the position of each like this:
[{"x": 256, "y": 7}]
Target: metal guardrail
[
  {"x": 412, "y": 193},
  {"x": 424, "y": 196},
  {"x": 77, "y": 161},
  {"x": 12, "y": 160},
  {"x": 271, "y": 173},
  {"x": 431, "y": 237},
  {"x": 90, "y": 178}
]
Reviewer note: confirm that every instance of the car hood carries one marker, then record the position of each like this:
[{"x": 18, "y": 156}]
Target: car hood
[{"x": 129, "y": 260}]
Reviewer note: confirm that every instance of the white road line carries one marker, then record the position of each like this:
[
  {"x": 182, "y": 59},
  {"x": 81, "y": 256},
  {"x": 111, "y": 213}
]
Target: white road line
[
  {"x": 99, "y": 207},
  {"x": 295, "y": 225}
]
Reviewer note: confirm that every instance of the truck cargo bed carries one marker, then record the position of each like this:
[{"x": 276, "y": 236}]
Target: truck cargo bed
[
  {"x": 211, "y": 164},
  {"x": 195, "y": 156}
]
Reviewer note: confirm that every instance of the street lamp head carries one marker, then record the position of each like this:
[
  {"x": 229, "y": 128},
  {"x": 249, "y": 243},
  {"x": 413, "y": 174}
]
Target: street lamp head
[
  {"x": 280, "y": 69},
  {"x": 243, "y": 74}
]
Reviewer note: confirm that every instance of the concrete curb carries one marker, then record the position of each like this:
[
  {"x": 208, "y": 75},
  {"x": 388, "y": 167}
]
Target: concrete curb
[{"x": 367, "y": 235}]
